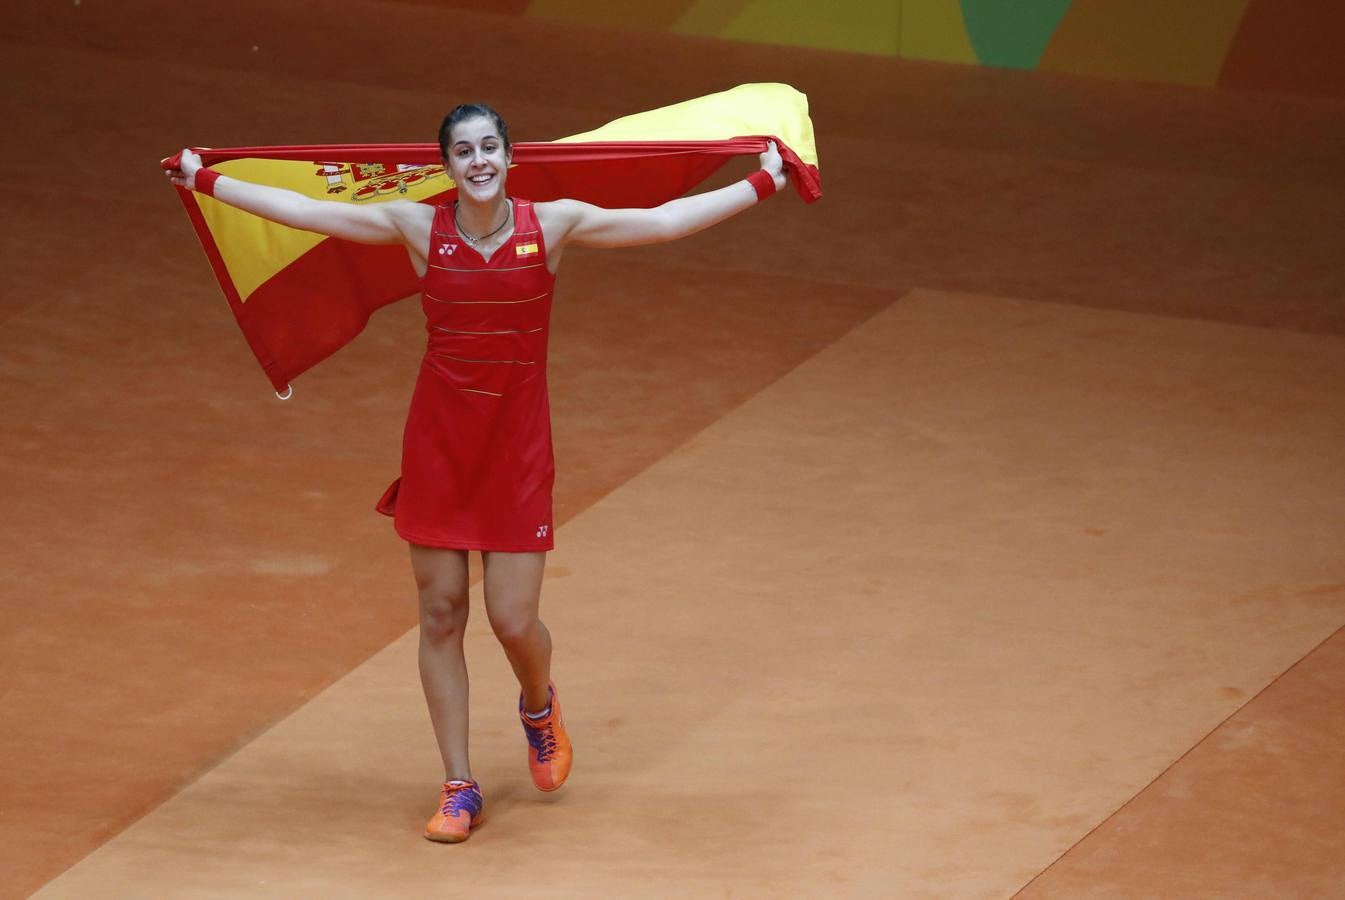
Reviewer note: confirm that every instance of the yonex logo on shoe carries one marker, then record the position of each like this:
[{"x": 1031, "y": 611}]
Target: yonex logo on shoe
[{"x": 542, "y": 530}]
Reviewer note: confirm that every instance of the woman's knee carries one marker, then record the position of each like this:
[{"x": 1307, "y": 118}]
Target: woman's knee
[
  {"x": 441, "y": 580},
  {"x": 514, "y": 630},
  {"x": 443, "y": 614}
]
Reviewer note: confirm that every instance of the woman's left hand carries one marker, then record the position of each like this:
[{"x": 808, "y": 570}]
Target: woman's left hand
[
  {"x": 773, "y": 164},
  {"x": 184, "y": 176}
]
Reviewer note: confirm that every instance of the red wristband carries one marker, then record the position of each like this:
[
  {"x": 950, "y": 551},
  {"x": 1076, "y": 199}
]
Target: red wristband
[
  {"x": 205, "y": 181},
  {"x": 762, "y": 183}
]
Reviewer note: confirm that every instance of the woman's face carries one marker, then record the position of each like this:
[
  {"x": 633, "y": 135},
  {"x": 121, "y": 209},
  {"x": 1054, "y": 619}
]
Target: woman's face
[{"x": 477, "y": 160}]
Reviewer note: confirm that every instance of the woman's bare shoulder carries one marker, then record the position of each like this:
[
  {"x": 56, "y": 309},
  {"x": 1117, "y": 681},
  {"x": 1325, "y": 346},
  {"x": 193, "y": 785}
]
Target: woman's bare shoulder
[
  {"x": 411, "y": 211},
  {"x": 558, "y": 210},
  {"x": 412, "y": 219}
]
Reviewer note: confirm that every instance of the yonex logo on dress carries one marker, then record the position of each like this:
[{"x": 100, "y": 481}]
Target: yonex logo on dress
[
  {"x": 448, "y": 249},
  {"x": 542, "y": 530}
]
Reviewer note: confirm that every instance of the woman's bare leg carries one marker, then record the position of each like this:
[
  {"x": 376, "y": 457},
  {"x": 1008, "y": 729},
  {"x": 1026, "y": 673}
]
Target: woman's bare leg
[
  {"x": 513, "y": 594},
  {"x": 441, "y": 578}
]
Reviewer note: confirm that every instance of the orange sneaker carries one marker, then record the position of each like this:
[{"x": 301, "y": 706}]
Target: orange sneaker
[
  {"x": 459, "y": 811},
  {"x": 549, "y": 751}
]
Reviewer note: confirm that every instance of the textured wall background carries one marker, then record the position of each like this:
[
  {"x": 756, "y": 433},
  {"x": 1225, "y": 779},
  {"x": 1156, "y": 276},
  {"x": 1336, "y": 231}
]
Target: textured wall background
[{"x": 1278, "y": 45}]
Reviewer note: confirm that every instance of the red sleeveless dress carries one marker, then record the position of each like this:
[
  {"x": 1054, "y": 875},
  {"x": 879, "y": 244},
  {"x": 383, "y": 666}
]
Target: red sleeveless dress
[{"x": 477, "y": 464}]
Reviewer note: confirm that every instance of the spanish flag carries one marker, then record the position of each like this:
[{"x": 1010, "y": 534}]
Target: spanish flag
[{"x": 299, "y": 296}]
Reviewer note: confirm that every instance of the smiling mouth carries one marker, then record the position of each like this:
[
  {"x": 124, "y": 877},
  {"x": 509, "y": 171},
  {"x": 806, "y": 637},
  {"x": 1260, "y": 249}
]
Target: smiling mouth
[{"x": 480, "y": 179}]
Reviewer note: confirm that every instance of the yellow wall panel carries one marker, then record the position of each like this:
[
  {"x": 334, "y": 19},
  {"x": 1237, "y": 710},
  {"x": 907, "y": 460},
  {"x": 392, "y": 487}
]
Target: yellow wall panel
[
  {"x": 857, "y": 26},
  {"x": 709, "y": 18},
  {"x": 935, "y": 29},
  {"x": 1151, "y": 40}
]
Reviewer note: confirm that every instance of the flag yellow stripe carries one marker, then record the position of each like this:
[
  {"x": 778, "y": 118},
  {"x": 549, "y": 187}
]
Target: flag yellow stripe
[
  {"x": 254, "y": 249},
  {"x": 775, "y": 109}
]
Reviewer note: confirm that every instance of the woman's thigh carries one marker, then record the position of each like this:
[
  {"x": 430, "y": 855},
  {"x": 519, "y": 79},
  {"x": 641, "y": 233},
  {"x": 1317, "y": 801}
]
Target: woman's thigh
[
  {"x": 441, "y": 574},
  {"x": 513, "y": 583}
]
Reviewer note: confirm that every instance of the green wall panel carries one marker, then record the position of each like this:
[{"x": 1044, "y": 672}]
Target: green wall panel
[{"x": 1012, "y": 33}]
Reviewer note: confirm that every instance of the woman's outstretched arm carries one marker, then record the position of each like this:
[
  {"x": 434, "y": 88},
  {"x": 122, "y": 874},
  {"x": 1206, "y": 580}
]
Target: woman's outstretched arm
[
  {"x": 592, "y": 226},
  {"x": 382, "y": 223}
]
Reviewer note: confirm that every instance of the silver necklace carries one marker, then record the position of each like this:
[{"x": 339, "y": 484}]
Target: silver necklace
[{"x": 473, "y": 241}]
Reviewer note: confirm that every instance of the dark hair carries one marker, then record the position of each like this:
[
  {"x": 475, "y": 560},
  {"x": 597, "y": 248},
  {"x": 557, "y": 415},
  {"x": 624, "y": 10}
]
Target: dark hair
[{"x": 465, "y": 111}]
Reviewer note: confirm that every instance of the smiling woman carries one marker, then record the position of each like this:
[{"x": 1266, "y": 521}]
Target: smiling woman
[
  {"x": 476, "y": 124},
  {"x": 477, "y": 466}
]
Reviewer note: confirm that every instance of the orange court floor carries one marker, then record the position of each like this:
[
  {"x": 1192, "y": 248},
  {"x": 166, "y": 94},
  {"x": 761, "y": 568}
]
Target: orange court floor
[{"x": 973, "y": 532}]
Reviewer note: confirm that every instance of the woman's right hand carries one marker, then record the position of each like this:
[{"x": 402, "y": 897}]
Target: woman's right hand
[
  {"x": 773, "y": 165},
  {"x": 184, "y": 176}
]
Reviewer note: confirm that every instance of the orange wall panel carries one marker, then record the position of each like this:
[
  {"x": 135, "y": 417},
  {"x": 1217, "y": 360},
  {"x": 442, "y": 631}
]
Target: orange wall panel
[
  {"x": 1293, "y": 46},
  {"x": 649, "y": 15},
  {"x": 1290, "y": 46},
  {"x": 1147, "y": 40}
]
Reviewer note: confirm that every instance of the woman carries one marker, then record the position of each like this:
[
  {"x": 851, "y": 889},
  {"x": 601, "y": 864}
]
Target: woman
[{"x": 476, "y": 466}]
